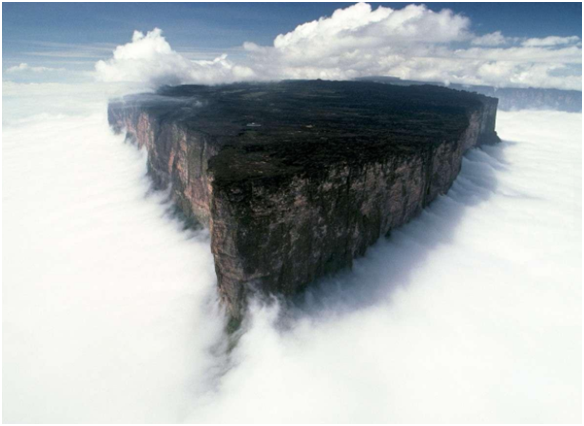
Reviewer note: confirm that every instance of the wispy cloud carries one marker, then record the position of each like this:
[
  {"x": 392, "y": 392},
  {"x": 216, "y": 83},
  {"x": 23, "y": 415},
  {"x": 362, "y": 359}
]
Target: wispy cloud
[
  {"x": 551, "y": 41},
  {"x": 70, "y": 50},
  {"x": 24, "y": 67}
]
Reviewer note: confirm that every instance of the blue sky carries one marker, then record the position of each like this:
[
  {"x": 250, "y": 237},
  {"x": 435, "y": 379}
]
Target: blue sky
[
  {"x": 38, "y": 32},
  {"x": 75, "y": 35}
]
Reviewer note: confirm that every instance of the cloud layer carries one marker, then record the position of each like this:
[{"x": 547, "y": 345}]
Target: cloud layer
[
  {"x": 357, "y": 41},
  {"x": 470, "y": 313},
  {"x": 95, "y": 331}
]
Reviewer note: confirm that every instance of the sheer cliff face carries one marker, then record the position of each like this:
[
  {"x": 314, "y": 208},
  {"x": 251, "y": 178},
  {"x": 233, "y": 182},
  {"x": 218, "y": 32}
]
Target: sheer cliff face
[
  {"x": 176, "y": 156},
  {"x": 279, "y": 239},
  {"x": 278, "y": 223}
]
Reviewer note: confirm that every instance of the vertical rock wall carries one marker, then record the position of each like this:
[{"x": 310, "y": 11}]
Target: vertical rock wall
[
  {"x": 277, "y": 238},
  {"x": 176, "y": 156}
]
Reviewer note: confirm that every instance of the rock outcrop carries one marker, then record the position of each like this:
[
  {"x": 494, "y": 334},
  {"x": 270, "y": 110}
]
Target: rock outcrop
[{"x": 296, "y": 179}]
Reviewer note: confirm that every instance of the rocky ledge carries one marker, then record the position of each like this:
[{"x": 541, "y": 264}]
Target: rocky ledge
[{"x": 296, "y": 179}]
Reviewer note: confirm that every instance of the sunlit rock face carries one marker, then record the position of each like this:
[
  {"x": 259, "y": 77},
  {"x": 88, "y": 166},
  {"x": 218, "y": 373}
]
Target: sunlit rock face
[{"x": 297, "y": 179}]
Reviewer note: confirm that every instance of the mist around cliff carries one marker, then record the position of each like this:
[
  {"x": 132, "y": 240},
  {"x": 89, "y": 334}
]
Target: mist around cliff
[{"x": 470, "y": 313}]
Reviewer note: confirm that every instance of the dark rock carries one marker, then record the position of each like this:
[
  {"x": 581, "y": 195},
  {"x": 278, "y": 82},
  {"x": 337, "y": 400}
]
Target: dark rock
[{"x": 296, "y": 179}]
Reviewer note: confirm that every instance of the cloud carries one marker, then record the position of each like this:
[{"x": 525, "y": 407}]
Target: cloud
[
  {"x": 551, "y": 41},
  {"x": 359, "y": 41},
  {"x": 471, "y": 313},
  {"x": 491, "y": 39},
  {"x": 415, "y": 43},
  {"x": 360, "y": 26},
  {"x": 414, "y": 334},
  {"x": 70, "y": 51},
  {"x": 148, "y": 59},
  {"x": 84, "y": 354},
  {"x": 24, "y": 67}
]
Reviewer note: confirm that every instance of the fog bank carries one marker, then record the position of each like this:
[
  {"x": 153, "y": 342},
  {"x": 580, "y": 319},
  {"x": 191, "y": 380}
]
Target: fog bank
[
  {"x": 109, "y": 307},
  {"x": 470, "y": 313}
]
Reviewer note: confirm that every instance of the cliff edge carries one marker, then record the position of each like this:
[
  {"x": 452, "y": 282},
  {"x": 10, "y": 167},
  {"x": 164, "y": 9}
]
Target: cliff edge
[{"x": 296, "y": 179}]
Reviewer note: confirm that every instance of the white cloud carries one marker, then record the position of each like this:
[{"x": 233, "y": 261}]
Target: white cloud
[
  {"x": 148, "y": 59},
  {"x": 359, "y": 41},
  {"x": 416, "y": 43},
  {"x": 491, "y": 39},
  {"x": 355, "y": 41},
  {"x": 86, "y": 358},
  {"x": 24, "y": 67},
  {"x": 471, "y": 313},
  {"x": 360, "y": 26},
  {"x": 565, "y": 55},
  {"x": 551, "y": 41}
]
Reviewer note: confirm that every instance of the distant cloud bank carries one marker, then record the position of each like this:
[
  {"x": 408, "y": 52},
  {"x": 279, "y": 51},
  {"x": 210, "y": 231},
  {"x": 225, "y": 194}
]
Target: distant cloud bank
[
  {"x": 24, "y": 67},
  {"x": 358, "y": 41}
]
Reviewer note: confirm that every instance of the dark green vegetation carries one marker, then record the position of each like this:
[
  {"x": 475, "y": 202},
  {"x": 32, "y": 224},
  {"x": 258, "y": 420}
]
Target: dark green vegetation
[{"x": 275, "y": 130}]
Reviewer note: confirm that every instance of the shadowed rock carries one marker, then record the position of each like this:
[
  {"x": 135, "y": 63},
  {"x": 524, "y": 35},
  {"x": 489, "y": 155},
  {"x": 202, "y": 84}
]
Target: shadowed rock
[{"x": 296, "y": 179}]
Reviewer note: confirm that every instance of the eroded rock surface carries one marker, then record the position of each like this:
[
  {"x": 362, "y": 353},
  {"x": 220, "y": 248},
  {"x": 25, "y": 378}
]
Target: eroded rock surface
[{"x": 297, "y": 179}]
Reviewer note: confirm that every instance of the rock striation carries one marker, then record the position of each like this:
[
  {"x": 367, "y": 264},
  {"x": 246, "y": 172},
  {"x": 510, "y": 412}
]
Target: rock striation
[{"x": 296, "y": 179}]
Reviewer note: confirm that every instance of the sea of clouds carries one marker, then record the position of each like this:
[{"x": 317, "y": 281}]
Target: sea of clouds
[{"x": 470, "y": 313}]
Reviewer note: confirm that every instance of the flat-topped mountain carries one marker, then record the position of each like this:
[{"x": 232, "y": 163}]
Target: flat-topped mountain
[{"x": 296, "y": 179}]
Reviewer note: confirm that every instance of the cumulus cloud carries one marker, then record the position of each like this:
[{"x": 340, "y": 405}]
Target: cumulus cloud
[
  {"x": 24, "y": 67},
  {"x": 416, "y": 43},
  {"x": 359, "y": 41},
  {"x": 148, "y": 59},
  {"x": 360, "y": 26}
]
